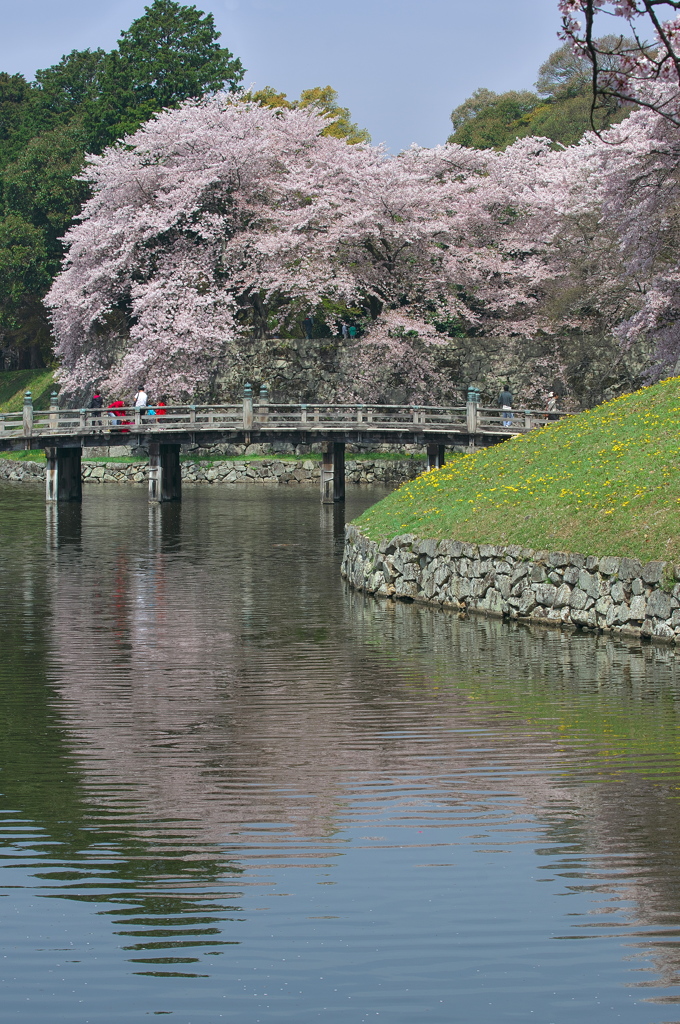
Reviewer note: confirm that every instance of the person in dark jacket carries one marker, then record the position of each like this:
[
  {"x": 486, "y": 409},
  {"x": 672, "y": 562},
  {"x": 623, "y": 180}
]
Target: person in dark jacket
[
  {"x": 96, "y": 403},
  {"x": 505, "y": 403}
]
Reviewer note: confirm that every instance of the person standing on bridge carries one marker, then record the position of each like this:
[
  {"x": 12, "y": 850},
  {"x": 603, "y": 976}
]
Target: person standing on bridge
[
  {"x": 141, "y": 399},
  {"x": 114, "y": 413},
  {"x": 505, "y": 403},
  {"x": 96, "y": 405}
]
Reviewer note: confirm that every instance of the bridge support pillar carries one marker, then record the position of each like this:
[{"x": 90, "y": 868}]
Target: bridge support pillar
[
  {"x": 63, "y": 476},
  {"x": 165, "y": 474},
  {"x": 436, "y": 456},
  {"x": 333, "y": 473}
]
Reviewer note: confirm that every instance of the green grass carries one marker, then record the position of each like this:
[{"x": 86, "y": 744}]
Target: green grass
[
  {"x": 216, "y": 457},
  {"x": 14, "y": 383},
  {"x": 313, "y": 456},
  {"x": 605, "y": 482},
  {"x": 38, "y": 455}
]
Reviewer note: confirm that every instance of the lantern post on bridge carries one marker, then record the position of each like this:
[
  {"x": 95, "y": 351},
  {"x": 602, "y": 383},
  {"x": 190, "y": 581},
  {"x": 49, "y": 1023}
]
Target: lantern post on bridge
[
  {"x": 247, "y": 407},
  {"x": 28, "y": 414},
  {"x": 473, "y": 396},
  {"x": 263, "y": 405},
  {"x": 54, "y": 411}
]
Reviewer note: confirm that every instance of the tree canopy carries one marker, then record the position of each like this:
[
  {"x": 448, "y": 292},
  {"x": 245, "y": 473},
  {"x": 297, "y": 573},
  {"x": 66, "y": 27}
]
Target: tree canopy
[
  {"x": 220, "y": 223},
  {"x": 559, "y": 110},
  {"x": 323, "y": 99},
  {"x": 171, "y": 53}
]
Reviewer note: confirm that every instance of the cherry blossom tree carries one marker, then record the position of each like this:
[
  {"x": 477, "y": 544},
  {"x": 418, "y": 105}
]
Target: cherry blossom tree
[
  {"x": 217, "y": 223},
  {"x": 166, "y": 264},
  {"x": 626, "y": 69},
  {"x": 640, "y": 204}
]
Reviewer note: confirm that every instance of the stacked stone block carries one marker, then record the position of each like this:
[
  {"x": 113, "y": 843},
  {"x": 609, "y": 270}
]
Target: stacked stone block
[{"x": 561, "y": 589}]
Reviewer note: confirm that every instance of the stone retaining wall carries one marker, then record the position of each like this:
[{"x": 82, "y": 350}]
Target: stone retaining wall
[
  {"x": 270, "y": 471},
  {"x": 11, "y": 470},
  {"x": 606, "y": 594}
]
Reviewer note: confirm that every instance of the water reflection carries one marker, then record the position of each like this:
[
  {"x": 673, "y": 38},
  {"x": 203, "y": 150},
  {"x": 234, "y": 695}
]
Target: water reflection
[{"x": 202, "y": 719}]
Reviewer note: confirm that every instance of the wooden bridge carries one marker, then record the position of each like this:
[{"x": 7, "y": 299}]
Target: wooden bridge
[{"x": 63, "y": 433}]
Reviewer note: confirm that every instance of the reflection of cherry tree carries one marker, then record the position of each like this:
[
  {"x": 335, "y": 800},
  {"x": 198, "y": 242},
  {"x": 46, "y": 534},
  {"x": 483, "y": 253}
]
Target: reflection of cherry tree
[{"x": 207, "y": 724}]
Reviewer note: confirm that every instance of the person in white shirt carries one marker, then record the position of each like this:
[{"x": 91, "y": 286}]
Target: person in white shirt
[{"x": 141, "y": 398}]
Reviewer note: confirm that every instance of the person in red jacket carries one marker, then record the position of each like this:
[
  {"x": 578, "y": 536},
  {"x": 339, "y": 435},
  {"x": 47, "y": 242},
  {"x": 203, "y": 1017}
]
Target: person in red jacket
[{"x": 114, "y": 415}]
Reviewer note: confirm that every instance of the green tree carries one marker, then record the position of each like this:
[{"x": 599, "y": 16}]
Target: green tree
[
  {"x": 63, "y": 91},
  {"x": 340, "y": 125},
  {"x": 489, "y": 120},
  {"x": 567, "y": 119},
  {"x": 15, "y": 98},
  {"x": 171, "y": 53},
  {"x": 23, "y": 262},
  {"x": 324, "y": 99},
  {"x": 41, "y": 188},
  {"x": 470, "y": 108},
  {"x": 564, "y": 73},
  {"x": 560, "y": 109}
]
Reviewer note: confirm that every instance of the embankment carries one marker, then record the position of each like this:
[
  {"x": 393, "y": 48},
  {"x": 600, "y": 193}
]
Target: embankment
[{"x": 555, "y": 588}]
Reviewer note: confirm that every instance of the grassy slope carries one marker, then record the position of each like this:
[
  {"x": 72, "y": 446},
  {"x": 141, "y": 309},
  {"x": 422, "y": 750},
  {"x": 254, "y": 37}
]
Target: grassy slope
[
  {"x": 604, "y": 482},
  {"x": 13, "y": 384}
]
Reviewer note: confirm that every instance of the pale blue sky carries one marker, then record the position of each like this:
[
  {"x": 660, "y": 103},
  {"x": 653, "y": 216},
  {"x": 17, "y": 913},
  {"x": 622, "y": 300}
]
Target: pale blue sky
[{"x": 400, "y": 66}]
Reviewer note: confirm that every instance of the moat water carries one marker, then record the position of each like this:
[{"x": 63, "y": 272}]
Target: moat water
[{"x": 234, "y": 790}]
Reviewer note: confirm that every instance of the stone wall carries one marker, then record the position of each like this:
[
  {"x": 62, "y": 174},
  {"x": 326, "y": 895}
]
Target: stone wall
[
  {"x": 11, "y": 470},
  {"x": 555, "y": 588},
  {"x": 270, "y": 471}
]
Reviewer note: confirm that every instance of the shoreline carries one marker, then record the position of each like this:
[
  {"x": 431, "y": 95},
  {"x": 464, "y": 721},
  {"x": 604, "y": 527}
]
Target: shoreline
[{"x": 564, "y": 590}]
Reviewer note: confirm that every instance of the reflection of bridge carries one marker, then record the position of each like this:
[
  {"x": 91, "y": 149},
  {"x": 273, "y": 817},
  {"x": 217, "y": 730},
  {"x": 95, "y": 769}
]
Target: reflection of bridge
[{"x": 63, "y": 433}]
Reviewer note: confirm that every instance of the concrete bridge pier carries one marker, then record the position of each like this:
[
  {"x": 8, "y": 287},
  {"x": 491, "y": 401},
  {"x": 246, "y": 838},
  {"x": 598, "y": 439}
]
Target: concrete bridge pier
[
  {"x": 165, "y": 473},
  {"x": 333, "y": 473},
  {"x": 436, "y": 456},
  {"x": 63, "y": 480}
]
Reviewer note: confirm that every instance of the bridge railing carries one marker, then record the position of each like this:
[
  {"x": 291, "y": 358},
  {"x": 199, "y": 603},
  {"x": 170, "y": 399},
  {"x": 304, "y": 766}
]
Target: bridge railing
[
  {"x": 513, "y": 420},
  {"x": 313, "y": 416},
  {"x": 189, "y": 417},
  {"x": 442, "y": 417},
  {"x": 260, "y": 414},
  {"x": 11, "y": 424}
]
